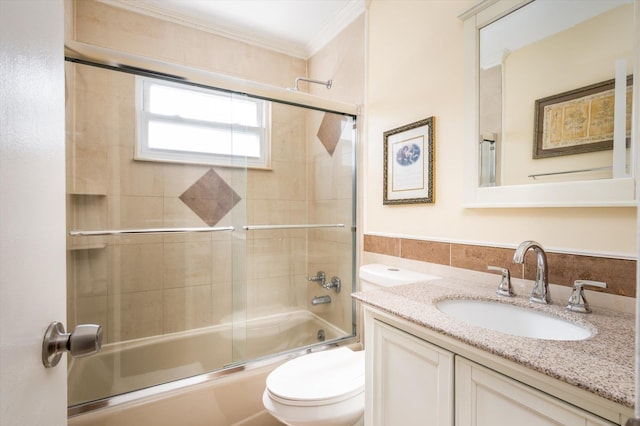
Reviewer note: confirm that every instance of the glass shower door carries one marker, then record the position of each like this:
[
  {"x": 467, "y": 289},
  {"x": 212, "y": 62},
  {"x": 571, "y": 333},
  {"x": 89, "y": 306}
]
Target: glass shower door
[
  {"x": 152, "y": 254},
  {"x": 191, "y": 267},
  {"x": 301, "y": 221}
]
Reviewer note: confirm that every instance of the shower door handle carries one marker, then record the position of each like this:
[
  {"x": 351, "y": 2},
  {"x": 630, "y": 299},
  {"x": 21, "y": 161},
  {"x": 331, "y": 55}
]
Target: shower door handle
[{"x": 85, "y": 340}]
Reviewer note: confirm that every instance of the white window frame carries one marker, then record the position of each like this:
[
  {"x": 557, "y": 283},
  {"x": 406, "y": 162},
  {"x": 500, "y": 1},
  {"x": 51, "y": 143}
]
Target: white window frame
[{"x": 144, "y": 152}]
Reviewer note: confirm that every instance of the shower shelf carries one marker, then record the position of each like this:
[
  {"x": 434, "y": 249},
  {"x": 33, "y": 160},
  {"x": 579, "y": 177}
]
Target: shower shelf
[{"x": 149, "y": 231}]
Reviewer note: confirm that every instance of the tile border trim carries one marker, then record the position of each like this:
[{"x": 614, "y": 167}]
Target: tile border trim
[{"x": 564, "y": 268}]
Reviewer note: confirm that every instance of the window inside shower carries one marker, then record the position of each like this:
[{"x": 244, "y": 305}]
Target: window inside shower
[
  {"x": 198, "y": 266},
  {"x": 178, "y": 122}
]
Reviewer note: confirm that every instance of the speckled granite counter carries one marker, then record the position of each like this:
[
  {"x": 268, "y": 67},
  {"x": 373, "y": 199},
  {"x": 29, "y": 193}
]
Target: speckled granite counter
[{"x": 602, "y": 364}]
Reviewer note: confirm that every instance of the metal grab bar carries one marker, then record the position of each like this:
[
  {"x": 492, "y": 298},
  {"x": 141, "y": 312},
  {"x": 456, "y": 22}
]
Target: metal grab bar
[
  {"x": 305, "y": 226},
  {"x": 186, "y": 230},
  {"x": 148, "y": 231},
  {"x": 595, "y": 169}
]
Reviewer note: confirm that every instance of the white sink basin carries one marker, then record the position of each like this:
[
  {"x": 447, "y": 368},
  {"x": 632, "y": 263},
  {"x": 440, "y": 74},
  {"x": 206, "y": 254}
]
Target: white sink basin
[{"x": 512, "y": 319}]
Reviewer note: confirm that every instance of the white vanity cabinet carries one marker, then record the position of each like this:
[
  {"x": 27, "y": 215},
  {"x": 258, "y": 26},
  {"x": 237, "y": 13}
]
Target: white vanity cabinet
[
  {"x": 486, "y": 398},
  {"x": 413, "y": 380},
  {"x": 416, "y": 376}
]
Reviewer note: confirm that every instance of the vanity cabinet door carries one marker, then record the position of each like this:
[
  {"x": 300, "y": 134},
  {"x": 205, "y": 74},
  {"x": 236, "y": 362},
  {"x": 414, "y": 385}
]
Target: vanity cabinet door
[
  {"x": 486, "y": 398},
  {"x": 412, "y": 380}
]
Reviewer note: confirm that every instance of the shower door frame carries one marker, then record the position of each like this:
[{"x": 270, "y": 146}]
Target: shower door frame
[{"x": 89, "y": 55}]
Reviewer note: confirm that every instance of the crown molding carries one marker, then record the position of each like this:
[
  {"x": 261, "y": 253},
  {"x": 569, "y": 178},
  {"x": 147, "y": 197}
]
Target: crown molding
[{"x": 346, "y": 16}]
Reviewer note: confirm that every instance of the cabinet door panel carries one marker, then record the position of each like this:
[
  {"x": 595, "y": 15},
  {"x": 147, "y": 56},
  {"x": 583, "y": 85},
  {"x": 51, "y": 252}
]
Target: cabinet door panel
[
  {"x": 486, "y": 398},
  {"x": 412, "y": 380}
]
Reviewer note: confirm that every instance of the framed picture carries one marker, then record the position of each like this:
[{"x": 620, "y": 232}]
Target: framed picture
[
  {"x": 408, "y": 163},
  {"x": 578, "y": 121}
]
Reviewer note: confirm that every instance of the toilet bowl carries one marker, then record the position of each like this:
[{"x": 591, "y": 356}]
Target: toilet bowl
[
  {"x": 322, "y": 388},
  {"x": 327, "y": 388}
]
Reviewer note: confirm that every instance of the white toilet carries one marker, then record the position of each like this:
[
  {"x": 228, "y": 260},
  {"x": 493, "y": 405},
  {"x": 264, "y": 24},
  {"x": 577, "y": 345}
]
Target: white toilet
[{"x": 327, "y": 388}]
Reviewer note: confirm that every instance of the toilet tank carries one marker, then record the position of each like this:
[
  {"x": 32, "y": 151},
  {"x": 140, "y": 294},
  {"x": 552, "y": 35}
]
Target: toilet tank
[{"x": 375, "y": 276}]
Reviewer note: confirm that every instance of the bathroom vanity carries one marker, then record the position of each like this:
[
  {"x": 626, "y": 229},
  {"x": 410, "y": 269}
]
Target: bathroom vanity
[{"x": 425, "y": 367}]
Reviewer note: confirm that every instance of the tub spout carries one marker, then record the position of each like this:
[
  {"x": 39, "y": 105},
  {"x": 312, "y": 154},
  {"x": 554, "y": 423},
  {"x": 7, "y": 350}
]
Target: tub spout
[{"x": 319, "y": 300}]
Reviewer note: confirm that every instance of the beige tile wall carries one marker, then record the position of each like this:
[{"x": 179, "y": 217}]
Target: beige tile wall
[
  {"x": 139, "y": 286},
  {"x": 186, "y": 279},
  {"x": 275, "y": 258},
  {"x": 341, "y": 60},
  {"x": 102, "y": 25},
  {"x": 330, "y": 249},
  {"x": 144, "y": 285}
]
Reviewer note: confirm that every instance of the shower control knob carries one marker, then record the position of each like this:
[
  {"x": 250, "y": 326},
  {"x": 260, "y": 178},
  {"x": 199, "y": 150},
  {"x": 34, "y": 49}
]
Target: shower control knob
[{"x": 85, "y": 340}]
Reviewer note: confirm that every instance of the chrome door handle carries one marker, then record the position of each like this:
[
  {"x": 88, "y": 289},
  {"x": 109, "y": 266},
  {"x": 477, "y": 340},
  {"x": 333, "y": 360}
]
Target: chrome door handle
[{"x": 85, "y": 340}]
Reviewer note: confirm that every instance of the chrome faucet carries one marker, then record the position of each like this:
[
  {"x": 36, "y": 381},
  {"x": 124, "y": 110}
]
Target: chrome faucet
[
  {"x": 505, "y": 288},
  {"x": 577, "y": 301},
  {"x": 540, "y": 292},
  {"x": 321, "y": 278}
]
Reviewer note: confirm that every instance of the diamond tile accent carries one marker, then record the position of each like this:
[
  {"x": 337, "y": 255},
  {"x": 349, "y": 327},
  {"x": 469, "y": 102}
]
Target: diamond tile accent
[
  {"x": 210, "y": 197},
  {"x": 330, "y": 130}
]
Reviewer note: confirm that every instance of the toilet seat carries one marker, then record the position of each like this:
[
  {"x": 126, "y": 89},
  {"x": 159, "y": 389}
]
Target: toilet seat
[{"x": 316, "y": 379}]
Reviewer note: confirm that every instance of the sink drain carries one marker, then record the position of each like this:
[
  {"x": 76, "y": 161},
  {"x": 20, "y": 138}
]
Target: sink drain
[{"x": 321, "y": 335}]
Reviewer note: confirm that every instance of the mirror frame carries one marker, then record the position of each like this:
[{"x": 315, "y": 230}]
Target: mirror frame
[{"x": 589, "y": 193}]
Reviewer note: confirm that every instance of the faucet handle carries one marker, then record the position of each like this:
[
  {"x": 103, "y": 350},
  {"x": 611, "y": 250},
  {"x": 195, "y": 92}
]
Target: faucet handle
[
  {"x": 319, "y": 277},
  {"x": 577, "y": 301},
  {"x": 504, "y": 289}
]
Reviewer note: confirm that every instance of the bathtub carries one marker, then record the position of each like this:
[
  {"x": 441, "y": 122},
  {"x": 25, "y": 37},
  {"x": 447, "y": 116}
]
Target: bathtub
[{"x": 124, "y": 367}]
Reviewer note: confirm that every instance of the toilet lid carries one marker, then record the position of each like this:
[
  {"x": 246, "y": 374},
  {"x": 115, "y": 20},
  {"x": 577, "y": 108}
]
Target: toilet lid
[{"x": 327, "y": 377}]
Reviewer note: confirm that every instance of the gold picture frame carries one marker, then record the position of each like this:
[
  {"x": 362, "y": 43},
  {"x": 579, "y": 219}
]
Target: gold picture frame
[
  {"x": 578, "y": 121},
  {"x": 408, "y": 163}
]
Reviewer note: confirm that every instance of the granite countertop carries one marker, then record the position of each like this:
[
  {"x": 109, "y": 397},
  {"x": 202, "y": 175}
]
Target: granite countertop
[{"x": 602, "y": 364}]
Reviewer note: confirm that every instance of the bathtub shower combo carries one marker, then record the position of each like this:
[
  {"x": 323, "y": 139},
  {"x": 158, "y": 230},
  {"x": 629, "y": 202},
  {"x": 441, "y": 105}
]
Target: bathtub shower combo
[{"x": 199, "y": 219}]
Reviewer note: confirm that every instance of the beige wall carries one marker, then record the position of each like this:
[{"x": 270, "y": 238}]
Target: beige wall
[{"x": 416, "y": 70}]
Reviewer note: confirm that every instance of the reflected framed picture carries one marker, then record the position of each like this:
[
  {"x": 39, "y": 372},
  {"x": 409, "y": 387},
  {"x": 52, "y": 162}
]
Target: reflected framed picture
[
  {"x": 408, "y": 164},
  {"x": 578, "y": 121}
]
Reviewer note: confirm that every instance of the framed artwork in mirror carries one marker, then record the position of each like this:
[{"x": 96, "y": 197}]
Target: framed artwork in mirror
[
  {"x": 408, "y": 176},
  {"x": 578, "y": 121}
]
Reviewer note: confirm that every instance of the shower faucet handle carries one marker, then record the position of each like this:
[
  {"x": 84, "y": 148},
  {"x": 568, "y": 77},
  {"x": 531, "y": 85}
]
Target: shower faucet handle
[
  {"x": 335, "y": 284},
  {"x": 320, "y": 277}
]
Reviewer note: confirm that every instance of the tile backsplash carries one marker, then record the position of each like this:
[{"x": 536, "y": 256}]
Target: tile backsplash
[{"x": 564, "y": 269}]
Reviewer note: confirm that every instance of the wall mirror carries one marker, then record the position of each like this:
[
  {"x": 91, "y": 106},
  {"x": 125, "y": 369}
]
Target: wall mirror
[{"x": 551, "y": 102}]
